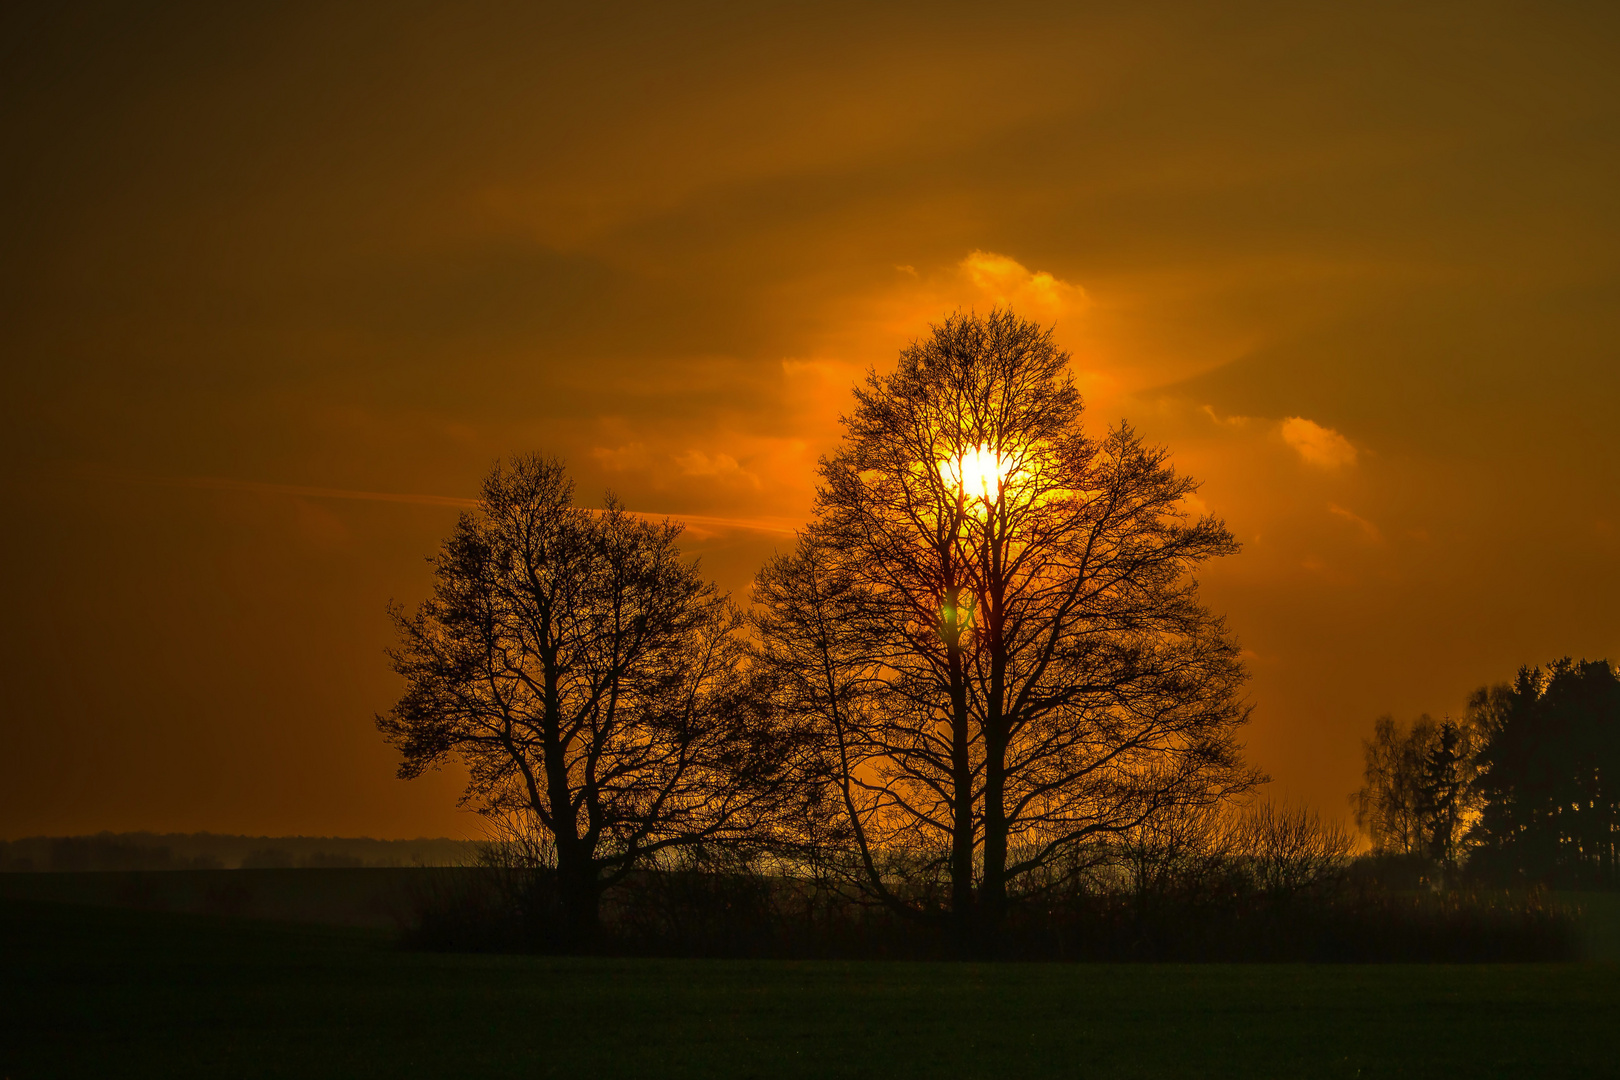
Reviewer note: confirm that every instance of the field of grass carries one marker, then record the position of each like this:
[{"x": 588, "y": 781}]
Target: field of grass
[
  {"x": 1599, "y": 922},
  {"x": 108, "y": 992},
  {"x": 359, "y": 896}
]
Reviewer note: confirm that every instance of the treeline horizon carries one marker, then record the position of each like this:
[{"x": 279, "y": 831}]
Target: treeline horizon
[{"x": 1522, "y": 788}]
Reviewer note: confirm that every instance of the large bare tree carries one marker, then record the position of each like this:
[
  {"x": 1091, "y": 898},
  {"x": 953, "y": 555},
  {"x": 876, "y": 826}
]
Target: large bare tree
[
  {"x": 590, "y": 679},
  {"x": 992, "y": 622}
]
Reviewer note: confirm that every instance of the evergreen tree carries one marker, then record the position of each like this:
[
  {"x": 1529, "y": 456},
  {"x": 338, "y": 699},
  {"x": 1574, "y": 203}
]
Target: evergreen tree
[{"x": 1550, "y": 779}]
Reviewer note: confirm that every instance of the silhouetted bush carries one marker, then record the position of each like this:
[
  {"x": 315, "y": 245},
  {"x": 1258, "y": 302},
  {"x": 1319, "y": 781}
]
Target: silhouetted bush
[
  {"x": 1360, "y": 927},
  {"x": 737, "y": 911},
  {"x": 1268, "y": 883},
  {"x": 1392, "y": 872},
  {"x": 486, "y": 909}
]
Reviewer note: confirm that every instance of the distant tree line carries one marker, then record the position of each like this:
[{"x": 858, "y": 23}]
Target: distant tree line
[{"x": 1523, "y": 787}]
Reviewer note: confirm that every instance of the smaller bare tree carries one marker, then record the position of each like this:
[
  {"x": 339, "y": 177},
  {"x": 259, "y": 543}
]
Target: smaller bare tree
[
  {"x": 1180, "y": 849},
  {"x": 1290, "y": 851},
  {"x": 593, "y": 683},
  {"x": 1389, "y": 804}
]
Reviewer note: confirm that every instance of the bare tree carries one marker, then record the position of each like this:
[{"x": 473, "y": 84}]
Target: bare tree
[
  {"x": 1180, "y": 849},
  {"x": 993, "y": 624},
  {"x": 1289, "y": 851},
  {"x": 1388, "y": 805},
  {"x": 590, "y": 679}
]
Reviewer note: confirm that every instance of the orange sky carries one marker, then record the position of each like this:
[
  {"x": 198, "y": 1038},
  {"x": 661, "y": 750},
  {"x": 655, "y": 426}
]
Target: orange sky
[{"x": 1358, "y": 270}]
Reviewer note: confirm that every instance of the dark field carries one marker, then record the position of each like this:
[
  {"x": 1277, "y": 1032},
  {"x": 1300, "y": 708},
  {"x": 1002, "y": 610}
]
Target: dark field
[
  {"x": 109, "y": 992},
  {"x": 381, "y": 897}
]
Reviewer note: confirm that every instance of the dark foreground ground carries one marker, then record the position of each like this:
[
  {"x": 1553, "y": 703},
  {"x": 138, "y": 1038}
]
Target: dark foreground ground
[
  {"x": 382, "y": 897},
  {"x": 108, "y": 992}
]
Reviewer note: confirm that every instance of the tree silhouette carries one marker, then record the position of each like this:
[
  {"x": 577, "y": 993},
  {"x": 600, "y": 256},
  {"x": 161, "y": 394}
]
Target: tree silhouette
[
  {"x": 1418, "y": 797},
  {"x": 591, "y": 681},
  {"x": 1551, "y": 776},
  {"x": 1389, "y": 804},
  {"x": 992, "y": 625},
  {"x": 1443, "y": 793}
]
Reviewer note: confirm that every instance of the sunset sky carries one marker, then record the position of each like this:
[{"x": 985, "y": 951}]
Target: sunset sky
[{"x": 278, "y": 284}]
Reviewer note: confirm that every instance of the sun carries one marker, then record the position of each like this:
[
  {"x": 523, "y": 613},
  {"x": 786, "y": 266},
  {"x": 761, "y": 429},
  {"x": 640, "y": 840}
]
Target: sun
[{"x": 979, "y": 471}]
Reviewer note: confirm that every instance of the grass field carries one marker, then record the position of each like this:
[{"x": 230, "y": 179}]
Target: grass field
[
  {"x": 108, "y": 992},
  {"x": 361, "y": 896}
]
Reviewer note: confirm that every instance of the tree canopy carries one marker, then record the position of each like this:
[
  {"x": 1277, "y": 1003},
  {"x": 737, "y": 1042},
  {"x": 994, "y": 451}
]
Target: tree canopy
[
  {"x": 1522, "y": 788},
  {"x": 590, "y": 679},
  {"x": 1550, "y": 776},
  {"x": 992, "y": 623}
]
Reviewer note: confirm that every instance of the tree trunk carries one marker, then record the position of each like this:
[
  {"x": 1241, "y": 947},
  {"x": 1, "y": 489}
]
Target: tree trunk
[
  {"x": 993, "y": 889},
  {"x": 962, "y": 781},
  {"x": 577, "y": 889},
  {"x": 580, "y": 896},
  {"x": 993, "y": 886}
]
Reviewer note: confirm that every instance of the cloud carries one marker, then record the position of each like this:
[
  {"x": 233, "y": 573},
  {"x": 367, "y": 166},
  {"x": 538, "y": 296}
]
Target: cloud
[
  {"x": 720, "y": 466},
  {"x": 1318, "y": 445},
  {"x": 703, "y": 526},
  {"x": 839, "y": 374},
  {"x": 620, "y": 458},
  {"x": 1368, "y": 529},
  {"x": 1227, "y": 421},
  {"x": 1008, "y": 283}
]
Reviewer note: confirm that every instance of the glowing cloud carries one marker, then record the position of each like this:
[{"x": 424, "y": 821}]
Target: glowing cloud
[
  {"x": 1009, "y": 283},
  {"x": 1318, "y": 445}
]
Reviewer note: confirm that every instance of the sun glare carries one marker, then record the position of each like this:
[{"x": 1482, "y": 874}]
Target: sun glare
[{"x": 979, "y": 471}]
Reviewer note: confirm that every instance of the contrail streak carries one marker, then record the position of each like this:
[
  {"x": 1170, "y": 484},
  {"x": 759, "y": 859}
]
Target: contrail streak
[{"x": 698, "y": 522}]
